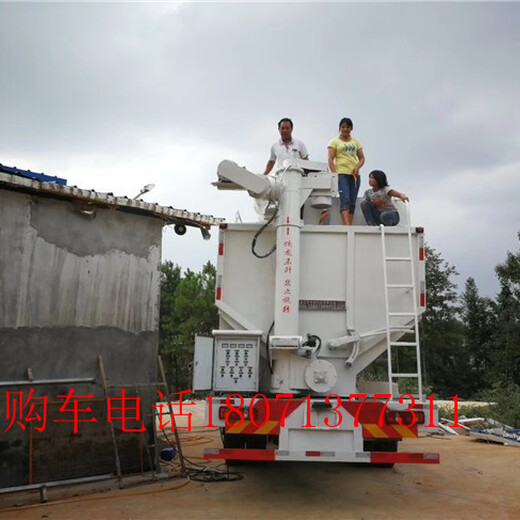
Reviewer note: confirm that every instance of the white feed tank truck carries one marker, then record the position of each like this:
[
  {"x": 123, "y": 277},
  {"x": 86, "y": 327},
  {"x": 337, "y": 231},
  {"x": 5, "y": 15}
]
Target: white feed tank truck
[{"x": 304, "y": 310}]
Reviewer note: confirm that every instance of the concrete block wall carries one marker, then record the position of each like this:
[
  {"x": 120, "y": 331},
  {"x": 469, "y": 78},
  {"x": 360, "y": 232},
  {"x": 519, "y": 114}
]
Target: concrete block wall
[{"x": 75, "y": 282}]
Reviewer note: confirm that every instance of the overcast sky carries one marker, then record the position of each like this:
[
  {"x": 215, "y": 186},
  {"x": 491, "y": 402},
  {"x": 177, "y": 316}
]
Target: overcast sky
[{"x": 115, "y": 96}]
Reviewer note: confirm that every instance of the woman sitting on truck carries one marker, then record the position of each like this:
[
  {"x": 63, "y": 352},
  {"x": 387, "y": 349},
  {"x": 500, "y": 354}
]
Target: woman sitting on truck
[{"x": 377, "y": 204}]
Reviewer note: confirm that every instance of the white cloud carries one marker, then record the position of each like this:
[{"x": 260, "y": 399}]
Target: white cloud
[
  {"x": 115, "y": 96},
  {"x": 472, "y": 217}
]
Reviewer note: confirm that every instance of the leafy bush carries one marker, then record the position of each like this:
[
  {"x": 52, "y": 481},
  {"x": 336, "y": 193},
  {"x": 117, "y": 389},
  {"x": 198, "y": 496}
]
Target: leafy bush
[
  {"x": 504, "y": 406},
  {"x": 507, "y": 403}
]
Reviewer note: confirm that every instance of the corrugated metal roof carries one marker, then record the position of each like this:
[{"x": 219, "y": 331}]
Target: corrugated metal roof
[
  {"x": 32, "y": 175},
  {"x": 168, "y": 214}
]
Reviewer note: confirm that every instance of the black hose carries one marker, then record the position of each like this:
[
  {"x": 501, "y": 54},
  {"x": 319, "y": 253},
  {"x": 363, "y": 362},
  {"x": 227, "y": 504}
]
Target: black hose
[
  {"x": 267, "y": 356},
  {"x": 214, "y": 475},
  {"x": 312, "y": 339},
  {"x": 319, "y": 345},
  {"x": 269, "y": 362},
  {"x": 259, "y": 232},
  {"x": 199, "y": 473}
]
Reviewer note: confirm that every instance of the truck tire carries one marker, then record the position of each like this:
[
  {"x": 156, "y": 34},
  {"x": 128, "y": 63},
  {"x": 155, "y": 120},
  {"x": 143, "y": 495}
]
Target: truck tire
[
  {"x": 233, "y": 441},
  {"x": 240, "y": 441},
  {"x": 381, "y": 445}
]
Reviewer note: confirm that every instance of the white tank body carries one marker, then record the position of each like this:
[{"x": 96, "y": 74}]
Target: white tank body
[{"x": 341, "y": 294}]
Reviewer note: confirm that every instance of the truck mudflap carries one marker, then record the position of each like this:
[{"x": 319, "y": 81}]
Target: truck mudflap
[{"x": 325, "y": 456}]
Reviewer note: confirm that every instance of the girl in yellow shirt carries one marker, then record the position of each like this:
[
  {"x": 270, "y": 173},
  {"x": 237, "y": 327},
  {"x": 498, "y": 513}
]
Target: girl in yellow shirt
[{"x": 345, "y": 157}]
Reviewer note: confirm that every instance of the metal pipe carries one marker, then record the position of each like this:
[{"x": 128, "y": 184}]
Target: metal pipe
[
  {"x": 25, "y": 382},
  {"x": 29, "y": 487},
  {"x": 287, "y": 277},
  {"x": 111, "y": 424},
  {"x": 31, "y": 452}
]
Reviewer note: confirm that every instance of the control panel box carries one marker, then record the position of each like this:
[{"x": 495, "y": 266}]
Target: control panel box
[
  {"x": 237, "y": 360},
  {"x": 202, "y": 364}
]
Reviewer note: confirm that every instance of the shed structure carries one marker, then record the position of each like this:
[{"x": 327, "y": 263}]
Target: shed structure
[{"x": 79, "y": 278}]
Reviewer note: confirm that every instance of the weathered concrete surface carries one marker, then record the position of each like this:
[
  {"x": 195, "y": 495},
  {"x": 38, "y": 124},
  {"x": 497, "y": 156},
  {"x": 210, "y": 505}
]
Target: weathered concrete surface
[
  {"x": 73, "y": 285},
  {"x": 71, "y": 352},
  {"x": 60, "y": 268}
]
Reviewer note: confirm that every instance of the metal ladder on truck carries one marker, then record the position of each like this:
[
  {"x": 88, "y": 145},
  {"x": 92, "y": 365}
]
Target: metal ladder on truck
[{"x": 412, "y": 313}]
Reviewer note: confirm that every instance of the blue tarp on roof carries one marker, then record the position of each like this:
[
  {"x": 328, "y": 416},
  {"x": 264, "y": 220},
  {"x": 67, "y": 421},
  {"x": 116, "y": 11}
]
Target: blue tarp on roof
[{"x": 31, "y": 175}]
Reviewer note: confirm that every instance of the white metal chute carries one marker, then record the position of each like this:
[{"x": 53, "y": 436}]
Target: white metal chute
[{"x": 256, "y": 185}]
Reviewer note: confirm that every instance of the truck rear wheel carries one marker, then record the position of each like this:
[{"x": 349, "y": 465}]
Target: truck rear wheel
[
  {"x": 381, "y": 445},
  {"x": 239, "y": 441}
]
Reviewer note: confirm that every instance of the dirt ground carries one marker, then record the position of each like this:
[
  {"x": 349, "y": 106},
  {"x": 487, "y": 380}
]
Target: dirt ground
[{"x": 474, "y": 480}]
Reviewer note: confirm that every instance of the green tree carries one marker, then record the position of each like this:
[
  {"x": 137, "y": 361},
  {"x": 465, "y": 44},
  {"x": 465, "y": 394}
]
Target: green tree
[
  {"x": 479, "y": 325},
  {"x": 187, "y": 309},
  {"x": 170, "y": 278},
  {"x": 445, "y": 363},
  {"x": 195, "y": 311},
  {"x": 506, "y": 351},
  {"x": 509, "y": 273}
]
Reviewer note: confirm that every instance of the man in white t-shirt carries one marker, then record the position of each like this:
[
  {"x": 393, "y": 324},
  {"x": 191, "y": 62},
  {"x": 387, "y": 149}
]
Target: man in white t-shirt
[{"x": 286, "y": 147}]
